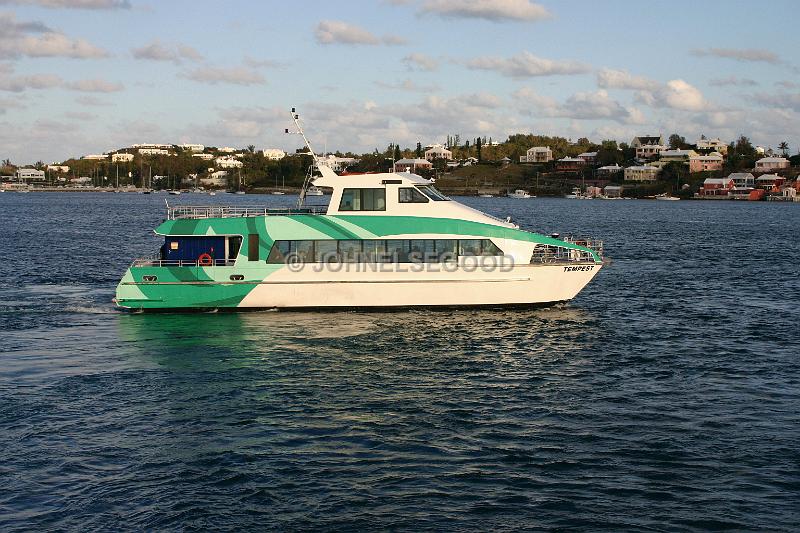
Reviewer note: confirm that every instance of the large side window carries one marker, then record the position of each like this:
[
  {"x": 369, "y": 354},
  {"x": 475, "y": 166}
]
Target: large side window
[
  {"x": 363, "y": 200},
  {"x": 410, "y": 195},
  {"x": 279, "y": 251}
]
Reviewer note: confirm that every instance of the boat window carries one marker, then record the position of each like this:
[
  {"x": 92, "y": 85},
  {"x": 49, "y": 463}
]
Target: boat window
[
  {"x": 489, "y": 248},
  {"x": 398, "y": 250},
  {"x": 326, "y": 252},
  {"x": 446, "y": 249},
  {"x": 432, "y": 193},
  {"x": 410, "y": 195},
  {"x": 375, "y": 251},
  {"x": 279, "y": 251},
  {"x": 381, "y": 250},
  {"x": 363, "y": 200},
  {"x": 350, "y": 251},
  {"x": 304, "y": 250},
  {"x": 252, "y": 247},
  {"x": 469, "y": 247}
]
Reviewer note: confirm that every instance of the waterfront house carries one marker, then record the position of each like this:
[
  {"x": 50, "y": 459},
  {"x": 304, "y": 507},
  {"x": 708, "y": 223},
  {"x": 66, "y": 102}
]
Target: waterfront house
[
  {"x": 30, "y": 174},
  {"x": 570, "y": 164},
  {"x": 740, "y": 193},
  {"x": 216, "y": 179},
  {"x": 589, "y": 157},
  {"x": 411, "y": 165},
  {"x": 766, "y": 164},
  {"x": 612, "y": 191},
  {"x": 706, "y": 163},
  {"x": 715, "y": 188},
  {"x": 437, "y": 151},
  {"x": 742, "y": 179},
  {"x": 642, "y": 173},
  {"x": 769, "y": 182},
  {"x": 537, "y": 154},
  {"x": 593, "y": 191}
]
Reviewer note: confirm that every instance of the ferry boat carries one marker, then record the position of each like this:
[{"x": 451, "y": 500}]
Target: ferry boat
[{"x": 384, "y": 241}]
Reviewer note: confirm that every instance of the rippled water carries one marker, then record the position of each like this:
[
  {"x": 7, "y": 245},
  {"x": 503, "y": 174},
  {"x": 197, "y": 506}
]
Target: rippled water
[{"x": 665, "y": 397}]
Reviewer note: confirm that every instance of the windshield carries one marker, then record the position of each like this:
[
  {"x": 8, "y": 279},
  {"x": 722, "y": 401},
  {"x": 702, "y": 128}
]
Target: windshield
[{"x": 431, "y": 192}]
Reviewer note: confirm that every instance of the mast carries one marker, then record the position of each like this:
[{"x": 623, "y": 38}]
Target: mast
[{"x": 326, "y": 171}]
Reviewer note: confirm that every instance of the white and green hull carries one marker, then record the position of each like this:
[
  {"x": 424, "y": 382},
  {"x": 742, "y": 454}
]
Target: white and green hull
[{"x": 248, "y": 281}]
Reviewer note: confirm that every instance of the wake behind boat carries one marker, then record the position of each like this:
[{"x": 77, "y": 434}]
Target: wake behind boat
[{"x": 384, "y": 240}]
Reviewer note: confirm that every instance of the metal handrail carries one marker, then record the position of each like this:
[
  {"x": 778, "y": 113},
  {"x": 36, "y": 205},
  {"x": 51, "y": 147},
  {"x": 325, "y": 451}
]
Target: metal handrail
[
  {"x": 550, "y": 253},
  {"x": 156, "y": 262},
  {"x": 217, "y": 211}
]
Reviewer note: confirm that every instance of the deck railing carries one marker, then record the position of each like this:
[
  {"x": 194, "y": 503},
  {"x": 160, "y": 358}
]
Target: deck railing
[
  {"x": 218, "y": 211},
  {"x": 549, "y": 253},
  {"x": 155, "y": 262}
]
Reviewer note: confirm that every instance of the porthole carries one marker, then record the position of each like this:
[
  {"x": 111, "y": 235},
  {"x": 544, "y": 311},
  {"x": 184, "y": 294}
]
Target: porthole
[
  {"x": 149, "y": 278},
  {"x": 237, "y": 277}
]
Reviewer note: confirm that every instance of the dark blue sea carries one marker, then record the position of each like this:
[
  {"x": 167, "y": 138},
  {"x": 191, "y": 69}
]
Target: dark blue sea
[{"x": 666, "y": 397}]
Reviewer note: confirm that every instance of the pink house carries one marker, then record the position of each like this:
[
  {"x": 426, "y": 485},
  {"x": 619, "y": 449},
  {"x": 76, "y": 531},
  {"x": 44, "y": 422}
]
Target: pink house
[{"x": 704, "y": 163}]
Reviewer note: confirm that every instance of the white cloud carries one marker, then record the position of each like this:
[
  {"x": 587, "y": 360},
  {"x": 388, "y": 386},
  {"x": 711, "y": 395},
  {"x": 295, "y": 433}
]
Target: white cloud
[
  {"x": 492, "y": 10},
  {"x": 622, "y": 79},
  {"x": 222, "y": 75},
  {"x": 94, "y": 86},
  {"x": 779, "y": 101},
  {"x": 527, "y": 65},
  {"x": 757, "y": 55},
  {"x": 418, "y": 61},
  {"x": 732, "y": 81},
  {"x": 596, "y": 105},
  {"x": 34, "y": 39},
  {"x": 71, "y": 4},
  {"x": 175, "y": 53},
  {"x": 339, "y": 32},
  {"x": 407, "y": 85},
  {"x": 92, "y": 101},
  {"x": 17, "y": 84},
  {"x": 675, "y": 94}
]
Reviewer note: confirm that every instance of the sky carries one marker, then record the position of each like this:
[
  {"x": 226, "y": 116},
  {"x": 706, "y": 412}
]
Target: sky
[{"x": 88, "y": 76}]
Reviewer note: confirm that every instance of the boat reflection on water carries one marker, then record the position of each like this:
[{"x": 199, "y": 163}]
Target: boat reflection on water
[{"x": 215, "y": 341}]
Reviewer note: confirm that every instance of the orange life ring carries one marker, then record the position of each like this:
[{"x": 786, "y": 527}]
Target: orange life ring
[{"x": 205, "y": 260}]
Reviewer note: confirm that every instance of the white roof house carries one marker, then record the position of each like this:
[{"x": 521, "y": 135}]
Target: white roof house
[
  {"x": 742, "y": 179},
  {"x": 537, "y": 154},
  {"x": 204, "y": 157},
  {"x": 411, "y": 165},
  {"x": 338, "y": 164},
  {"x": 228, "y": 162},
  {"x": 437, "y": 151},
  {"x": 273, "y": 154},
  {"x": 153, "y": 151},
  {"x": 772, "y": 163},
  {"x": 216, "y": 179},
  {"x": 95, "y": 157},
  {"x": 30, "y": 174},
  {"x": 121, "y": 158},
  {"x": 609, "y": 169},
  {"x": 193, "y": 147},
  {"x": 58, "y": 168}
]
